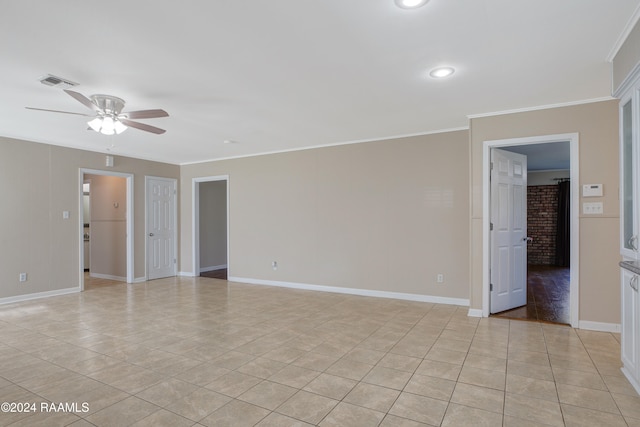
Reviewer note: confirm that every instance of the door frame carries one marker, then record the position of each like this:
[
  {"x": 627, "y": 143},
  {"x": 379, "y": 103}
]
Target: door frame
[
  {"x": 573, "y": 139},
  {"x": 128, "y": 216},
  {"x": 146, "y": 222},
  {"x": 195, "y": 219}
]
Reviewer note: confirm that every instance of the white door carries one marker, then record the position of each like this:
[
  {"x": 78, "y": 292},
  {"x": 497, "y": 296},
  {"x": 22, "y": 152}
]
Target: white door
[
  {"x": 161, "y": 227},
  {"x": 508, "y": 230}
]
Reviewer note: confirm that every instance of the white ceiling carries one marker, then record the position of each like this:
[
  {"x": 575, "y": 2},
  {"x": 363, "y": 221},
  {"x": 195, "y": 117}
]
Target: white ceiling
[{"x": 288, "y": 74}]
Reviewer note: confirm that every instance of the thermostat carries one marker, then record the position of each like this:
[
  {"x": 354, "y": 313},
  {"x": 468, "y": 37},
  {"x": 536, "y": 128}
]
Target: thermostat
[{"x": 592, "y": 190}]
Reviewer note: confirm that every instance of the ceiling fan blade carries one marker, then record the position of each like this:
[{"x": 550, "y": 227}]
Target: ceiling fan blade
[
  {"x": 146, "y": 114},
  {"x": 57, "y": 111},
  {"x": 84, "y": 100},
  {"x": 142, "y": 126}
]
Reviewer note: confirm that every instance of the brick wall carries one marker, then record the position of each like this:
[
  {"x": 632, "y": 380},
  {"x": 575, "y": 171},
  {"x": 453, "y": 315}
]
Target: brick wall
[{"x": 542, "y": 208}]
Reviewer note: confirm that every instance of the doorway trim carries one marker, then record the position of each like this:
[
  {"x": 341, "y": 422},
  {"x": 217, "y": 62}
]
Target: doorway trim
[
  {"x": 195, "y": 218},
  {"x": 573, "y": 139},
  {"x": 128, "y": 216}
]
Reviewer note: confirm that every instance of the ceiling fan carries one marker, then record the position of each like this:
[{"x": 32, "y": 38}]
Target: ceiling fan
[{"x": 109, "y": 117}]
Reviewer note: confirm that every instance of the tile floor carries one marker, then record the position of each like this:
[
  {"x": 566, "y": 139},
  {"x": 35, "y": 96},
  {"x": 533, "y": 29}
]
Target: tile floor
[{"x": 199, "y": 351}]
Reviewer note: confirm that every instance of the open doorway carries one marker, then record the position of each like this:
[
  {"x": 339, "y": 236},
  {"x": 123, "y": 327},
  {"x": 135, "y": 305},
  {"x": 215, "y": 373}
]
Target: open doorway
[
  {"x": 106, "y": 227},
  {"x": 211, "y": 227},
  {"x": 548, "y": 221},
  {"x": 551, "y": 159}
]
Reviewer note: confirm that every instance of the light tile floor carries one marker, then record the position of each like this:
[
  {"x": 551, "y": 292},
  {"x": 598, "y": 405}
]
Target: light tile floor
[{"x": 200, "y": 351}]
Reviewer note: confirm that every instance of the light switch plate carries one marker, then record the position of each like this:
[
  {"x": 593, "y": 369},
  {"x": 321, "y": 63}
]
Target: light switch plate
[{"x": 592, "y": 208}]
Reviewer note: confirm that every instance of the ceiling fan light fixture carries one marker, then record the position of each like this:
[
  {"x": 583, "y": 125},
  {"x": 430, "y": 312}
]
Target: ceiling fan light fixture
[
  {"x": 107, "y": 125},
  {"x": 109, "y": 118},
  {"x": 410, "y": 4},
  {"x": 95, "y": 124},
  {"x": 119, "y": 127}
]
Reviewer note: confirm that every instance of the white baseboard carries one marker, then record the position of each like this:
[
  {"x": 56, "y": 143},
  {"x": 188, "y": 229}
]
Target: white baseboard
[
  {"x": 37, "y": 295},
  {"x": 186, "y": 274},
  {"x": 107, "y": 276},
  {"x": 474, "y": 312},
  {"x": 354, "y": 291},
  {"x": 139, "y": 279},
  {"x": 599, "y": 326},
  {"x": 631, "y": 379},
  {"x": 212, "y": 268}
]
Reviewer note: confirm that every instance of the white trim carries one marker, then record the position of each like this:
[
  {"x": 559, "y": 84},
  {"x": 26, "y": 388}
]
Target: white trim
[
  {"x": 147, "y": 178},
  {"x": 213, "y": 268},
  {"x": 82, "y": 147},
  {"x": 628, "y": 82},
  {"x": 334, "y": 144},
  {"x": 540, "y": 107},
  {"x": 624, "y": 34},
  {"x": 474, "y": 312},
  {"x": 599, "y": 326},
  {"x": 573, "y": 139},
  {"x": 186, "y": 274},
  {"x": 140, "y": 279},
  {"x": 129, "y": 221},
  {"x": 195, "y": 218},
  {"x": 108, "y": 277},
  {"x": 38, "y": 295},
  {"x": 631, "y": 378},
  {"x": 163, "y": 160},
  {"x": 353, "y": 291},
  {"x": 547, "y": 170}
]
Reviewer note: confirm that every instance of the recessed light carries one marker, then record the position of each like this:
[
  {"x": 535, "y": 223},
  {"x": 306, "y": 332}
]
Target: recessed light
[
  {"x": 441, "y": 72},
  {"x": 410, "y": 4},
  {"x": 229, "y": 141}
]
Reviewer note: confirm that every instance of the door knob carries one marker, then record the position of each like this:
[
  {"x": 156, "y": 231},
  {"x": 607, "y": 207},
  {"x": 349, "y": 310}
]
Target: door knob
[
  {"x": 527, "y": 239},
  {"x": 150, "y": 234}
]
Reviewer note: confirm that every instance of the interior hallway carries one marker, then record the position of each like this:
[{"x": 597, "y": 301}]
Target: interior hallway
[
  {"x": 215, "y": 274},
  {"x": 95, "y": 282},
  {"x": 199, "y": 351}
]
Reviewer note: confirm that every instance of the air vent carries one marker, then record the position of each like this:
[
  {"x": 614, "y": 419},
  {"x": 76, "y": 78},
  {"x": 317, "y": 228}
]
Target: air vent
[{"x": 58, "y": 82}]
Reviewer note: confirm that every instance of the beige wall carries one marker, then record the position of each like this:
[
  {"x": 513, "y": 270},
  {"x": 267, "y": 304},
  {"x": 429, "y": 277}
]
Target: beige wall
[
  {"x": 213, "y": 224},
  {"x": 108, "y": 230},
  {"x": 626, "y": 58},
  {"x": 597, "y": 125},
  {"x": 385, "y": 216},
  {"x": 39, "y": 182}
]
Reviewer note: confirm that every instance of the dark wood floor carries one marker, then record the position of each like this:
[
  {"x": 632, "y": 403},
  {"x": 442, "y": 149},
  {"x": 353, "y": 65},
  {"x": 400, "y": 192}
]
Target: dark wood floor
[
  {"x": 547, "y": 296},
  {"x": 215, "y": 274}
]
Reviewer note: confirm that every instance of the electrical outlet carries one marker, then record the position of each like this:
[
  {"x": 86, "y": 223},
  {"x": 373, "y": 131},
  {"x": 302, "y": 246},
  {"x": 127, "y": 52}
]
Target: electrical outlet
[
  {"x": 440, "y": 278},
  {"x": 22, "y": 277},
  {"x": 274, "y": 265}
]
